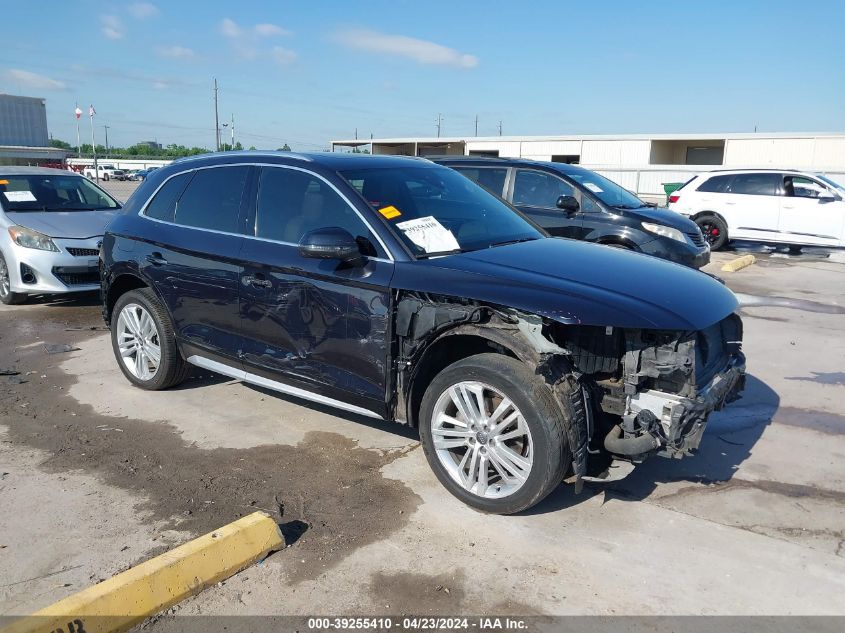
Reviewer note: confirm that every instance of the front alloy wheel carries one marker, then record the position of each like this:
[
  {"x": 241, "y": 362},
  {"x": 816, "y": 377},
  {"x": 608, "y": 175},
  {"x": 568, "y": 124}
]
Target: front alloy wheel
[
  {"x": 494, "y": 432},
  {"x": 138, "y": 342},
  {"x": 481, "y": 439}
]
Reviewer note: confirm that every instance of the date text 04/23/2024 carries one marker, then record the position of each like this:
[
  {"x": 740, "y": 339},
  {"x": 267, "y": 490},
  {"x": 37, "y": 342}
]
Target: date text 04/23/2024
[{"x": 422, "y": 623}]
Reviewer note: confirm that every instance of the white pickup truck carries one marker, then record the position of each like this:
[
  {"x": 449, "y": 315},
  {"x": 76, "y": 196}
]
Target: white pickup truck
[{"x": 106, "y": 172}]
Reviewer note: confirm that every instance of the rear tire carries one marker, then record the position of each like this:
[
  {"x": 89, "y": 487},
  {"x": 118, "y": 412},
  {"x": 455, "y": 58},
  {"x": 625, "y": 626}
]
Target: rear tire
[
  {"x": 714, "y": 229},
  {"x": 491, "y": 467},
  {"x": 144, "y": 343},
  {"x": 6, "y": 295}
]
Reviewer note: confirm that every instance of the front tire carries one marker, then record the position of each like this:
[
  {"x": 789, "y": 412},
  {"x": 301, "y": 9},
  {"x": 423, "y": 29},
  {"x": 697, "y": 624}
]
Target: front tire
[
  {"x": 144, "y": 343},
  {"x": 714, "y": 229},
  {"x": 6, "y": 295},
  {"x": 494, "y": 434}
]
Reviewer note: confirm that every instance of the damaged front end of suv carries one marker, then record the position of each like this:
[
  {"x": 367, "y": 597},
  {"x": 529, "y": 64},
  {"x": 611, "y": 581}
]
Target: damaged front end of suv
[{"x": 632, "y": 391}]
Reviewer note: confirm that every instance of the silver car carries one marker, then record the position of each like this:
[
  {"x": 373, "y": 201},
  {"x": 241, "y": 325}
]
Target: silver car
[{"x": 51, "y": 228}]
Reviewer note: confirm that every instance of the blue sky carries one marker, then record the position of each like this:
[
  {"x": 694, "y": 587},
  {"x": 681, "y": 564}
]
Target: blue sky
[{"x": 308, "y": 72}]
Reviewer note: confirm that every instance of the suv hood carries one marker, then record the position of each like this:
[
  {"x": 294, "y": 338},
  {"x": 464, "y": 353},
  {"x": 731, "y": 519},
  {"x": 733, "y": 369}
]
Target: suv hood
[
  {"x": 67, "y": 224},
  {"x": 577, "y": 282},
  {"x": 661, "y": 215}
]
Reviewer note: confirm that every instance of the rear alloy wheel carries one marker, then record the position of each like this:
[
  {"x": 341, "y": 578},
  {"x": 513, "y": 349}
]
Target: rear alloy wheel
[
  {"x": 144, "y": 344},
  {"x": 714, "y": 230},
  {"x": 494, "y": 434},
  {"x": 6, "y": 295}
]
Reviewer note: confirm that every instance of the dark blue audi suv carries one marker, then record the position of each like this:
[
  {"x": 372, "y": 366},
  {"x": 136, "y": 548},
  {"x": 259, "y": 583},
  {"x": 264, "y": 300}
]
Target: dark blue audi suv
[{"x": 398, "y": 289}]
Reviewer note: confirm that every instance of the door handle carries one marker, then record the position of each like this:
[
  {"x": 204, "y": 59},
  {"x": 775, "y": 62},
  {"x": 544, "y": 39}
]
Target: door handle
[
  {"x": 257, "y": 282},
  {"x": 156, "y": 259}
]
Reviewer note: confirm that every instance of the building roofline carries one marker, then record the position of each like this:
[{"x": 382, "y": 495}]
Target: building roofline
[{"x": 590, "y": 137}]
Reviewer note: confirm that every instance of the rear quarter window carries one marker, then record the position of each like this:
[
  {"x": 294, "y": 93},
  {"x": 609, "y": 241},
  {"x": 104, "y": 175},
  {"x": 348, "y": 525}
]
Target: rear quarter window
[
  {"x": 715, "y": 184},
  {"x": 163, "y": 204}
]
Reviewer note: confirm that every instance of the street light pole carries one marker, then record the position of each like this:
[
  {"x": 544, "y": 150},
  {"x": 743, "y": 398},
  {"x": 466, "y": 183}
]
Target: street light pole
[
  {"x": 106, "y": 128},
  {"x": 233, "y": 130},
  {"x": 216, "y": 120}
]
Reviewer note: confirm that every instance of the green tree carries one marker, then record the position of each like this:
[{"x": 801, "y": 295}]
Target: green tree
[
  {"x": 54, "y": 142},
  {"x": 284, "y": 148}
]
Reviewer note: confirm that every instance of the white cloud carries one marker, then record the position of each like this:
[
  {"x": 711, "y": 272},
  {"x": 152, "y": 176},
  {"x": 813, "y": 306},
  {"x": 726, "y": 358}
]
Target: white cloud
[
  {"x": 143, "y": 10},
  {"x": 243, "y": 43},
  {"x": 160, "y": 85},
  {"x": 26, "y": 79},
  {"x": 284, "y": 56},
  {"x": 269, "y": 30},
  {"x": 230, "y": 28},
  {"x": 175, "y": 52},
  {"x": 422, "y": 51},
  {"x": 112, "y": 27}
]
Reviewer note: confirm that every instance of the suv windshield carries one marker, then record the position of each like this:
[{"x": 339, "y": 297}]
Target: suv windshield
[
  {"x": 832, "y": 183},
  {"x": 435, "y": 211},
  {"x": 606, "y": 190},
  {"x": 52, "y": 193}
]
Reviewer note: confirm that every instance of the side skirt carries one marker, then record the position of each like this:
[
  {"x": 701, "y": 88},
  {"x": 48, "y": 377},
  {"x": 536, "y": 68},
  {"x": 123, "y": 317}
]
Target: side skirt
[{"x": 240, "y": 374}]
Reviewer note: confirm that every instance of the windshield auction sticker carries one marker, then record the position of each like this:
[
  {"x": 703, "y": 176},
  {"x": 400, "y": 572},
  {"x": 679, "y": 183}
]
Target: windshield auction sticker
[
  {"x": 19, "y": 196},
  {"x": 429, "y": 234}
]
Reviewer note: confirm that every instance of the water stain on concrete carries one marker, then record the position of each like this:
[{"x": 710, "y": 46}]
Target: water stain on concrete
[
  {"x": 327, "y": 492},
  {"x": 793, "y": 491},
  {"x": 824, "y": 378},
  {"x": 419, "y": 594},
  {"x": 821, "y": 421},
  {"x": 754, "y": 301}
]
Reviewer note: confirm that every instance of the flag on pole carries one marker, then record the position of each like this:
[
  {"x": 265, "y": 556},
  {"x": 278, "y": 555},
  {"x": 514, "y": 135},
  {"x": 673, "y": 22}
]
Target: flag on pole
[
  {"x": 91, "y": 111},
  {"x": 78, "y": 112}
]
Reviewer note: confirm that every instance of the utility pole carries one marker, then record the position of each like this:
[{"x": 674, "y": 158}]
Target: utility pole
[
  {"x": 233, "y": 130},
  {"x": 91, "y": 113},
  {"x": 439, "y": 123},
  {"x": 476, "y": 125},
  {"x": 216, "y": 120},
  {"x": 356, "y": 133},
  {"x": 500, "y": 128},
  {"x": 106, "y": 128}
]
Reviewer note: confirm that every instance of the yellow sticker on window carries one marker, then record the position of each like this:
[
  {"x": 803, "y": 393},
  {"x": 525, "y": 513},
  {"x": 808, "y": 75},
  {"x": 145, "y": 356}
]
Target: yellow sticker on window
[
  {"x": 390, "y": 212},
  {"x": 4, "y": 182}
]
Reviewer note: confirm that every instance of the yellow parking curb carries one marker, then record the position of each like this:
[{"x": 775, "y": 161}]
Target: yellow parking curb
[
  {"x": 128, "y": 598},
  {"x": 739, "y": 263}
]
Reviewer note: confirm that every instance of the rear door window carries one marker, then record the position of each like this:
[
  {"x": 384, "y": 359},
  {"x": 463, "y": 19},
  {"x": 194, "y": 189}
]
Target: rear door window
[
  {"x": 755, "y": 184},
  {"x": 491, "y": 178},
  {"x": 163, "y": 204},
  {"x": 213, "y": 199},
  {"x": 539, "y": 189}
]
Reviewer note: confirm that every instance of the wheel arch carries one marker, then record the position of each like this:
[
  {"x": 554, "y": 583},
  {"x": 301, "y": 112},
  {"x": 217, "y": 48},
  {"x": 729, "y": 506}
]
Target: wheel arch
[
  {"x": 447, "y": 348},
  {"x": 702, "y": 214},
  {"x": 119, "y": 286}
]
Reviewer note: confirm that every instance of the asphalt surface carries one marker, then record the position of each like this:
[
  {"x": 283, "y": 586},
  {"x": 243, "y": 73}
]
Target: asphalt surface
[{"x": 96, "y": 475}]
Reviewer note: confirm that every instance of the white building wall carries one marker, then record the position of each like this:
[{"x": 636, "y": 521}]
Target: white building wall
[
  {"x": 829, "y": 153},
  {"x": 635, "y": 152},
  {"x": 765, "y": 152}
]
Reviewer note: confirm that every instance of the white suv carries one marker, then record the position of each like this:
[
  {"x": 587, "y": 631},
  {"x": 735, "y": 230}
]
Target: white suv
[{"x": 764, "y": 205}]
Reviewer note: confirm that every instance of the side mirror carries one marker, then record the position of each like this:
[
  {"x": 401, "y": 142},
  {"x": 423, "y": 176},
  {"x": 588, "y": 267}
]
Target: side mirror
[
  {"x": 827, "y": 196},
  {"x": 329, "y": 243},
  {"x": 568, "y": 204}
]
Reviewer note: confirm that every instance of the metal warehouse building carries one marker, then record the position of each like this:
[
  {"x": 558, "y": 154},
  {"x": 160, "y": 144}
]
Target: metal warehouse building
[
  {"x": 24, "y": 139},
  {"x": 639, "y": 162}
]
